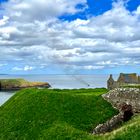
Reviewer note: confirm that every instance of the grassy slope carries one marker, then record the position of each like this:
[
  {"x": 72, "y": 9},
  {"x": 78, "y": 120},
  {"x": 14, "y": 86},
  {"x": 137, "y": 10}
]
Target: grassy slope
[
  {"x": 33, "y": 113},
  {"x": 12, "y": 81},
  {"x": 59, "y": 115}
]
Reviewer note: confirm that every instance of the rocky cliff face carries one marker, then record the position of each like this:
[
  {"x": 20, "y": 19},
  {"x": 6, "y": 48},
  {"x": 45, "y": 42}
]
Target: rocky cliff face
[{"x": 16, "y": 84}]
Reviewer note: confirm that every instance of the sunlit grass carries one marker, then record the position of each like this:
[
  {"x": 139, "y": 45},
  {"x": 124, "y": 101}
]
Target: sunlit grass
[{"x": 54, "y": 114}]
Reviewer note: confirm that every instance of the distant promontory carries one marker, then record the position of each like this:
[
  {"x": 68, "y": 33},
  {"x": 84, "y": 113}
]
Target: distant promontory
[{"x": 17, "y": 84}]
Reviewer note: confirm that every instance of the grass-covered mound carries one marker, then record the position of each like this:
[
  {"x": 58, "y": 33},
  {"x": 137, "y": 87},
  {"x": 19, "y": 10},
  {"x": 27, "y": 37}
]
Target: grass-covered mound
[
  {"x": 47, "y": 114},
  {"x": 53, "y": 114}
]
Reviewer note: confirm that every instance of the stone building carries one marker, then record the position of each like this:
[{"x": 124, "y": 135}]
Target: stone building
[{"x": 124, "y": 79}]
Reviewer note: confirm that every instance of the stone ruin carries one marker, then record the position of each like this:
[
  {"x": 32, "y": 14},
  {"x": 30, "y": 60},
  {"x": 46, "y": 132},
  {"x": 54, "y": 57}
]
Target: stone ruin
[
  {"x": 127, "y": 101},
  {"x": 118, "y": 96},
  {"x": 123, "y": 80}
]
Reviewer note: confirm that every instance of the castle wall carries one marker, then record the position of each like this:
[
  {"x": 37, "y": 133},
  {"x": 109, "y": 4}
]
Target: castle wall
[
  {"x": 127, "y": 101},
  {"x": 123, "y": 80},
  {"x": 129, "y": 96},
  {"x": 128, "y": 78}
]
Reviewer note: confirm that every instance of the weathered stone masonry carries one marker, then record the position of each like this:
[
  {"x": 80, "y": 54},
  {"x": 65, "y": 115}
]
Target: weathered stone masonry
[
  {"x": 127, "y": 101},
  {"x": 130, "y": 96},
  {"x": 124, "y": 79}
]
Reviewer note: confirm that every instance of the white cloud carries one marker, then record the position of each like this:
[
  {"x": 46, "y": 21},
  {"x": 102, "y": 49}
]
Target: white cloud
[
  {"x": 25, "y": 68},
  {"x": 41, "y": 9},
  {"x": 28, "y": 68},
  {"x": 37, "y": 37},
  {"x": 90, "y": 67},
  {"x": 4, "y": 20},
  {"x": 17, "y": 69},
  {"x": 137, "y": 12}
]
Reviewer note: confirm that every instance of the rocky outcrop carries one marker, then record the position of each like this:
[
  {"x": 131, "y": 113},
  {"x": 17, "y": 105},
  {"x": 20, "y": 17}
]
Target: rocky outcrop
[
  {"x": 127, "y": 101},
  {"x": 124, "y": 115},
  {"x": 17, "y": 84},
  {"x": 130, "y": 96},
  {"x": 110, "y": 125}
]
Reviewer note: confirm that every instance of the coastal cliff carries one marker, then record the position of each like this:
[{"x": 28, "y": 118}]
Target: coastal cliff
[{"x": 16, "y": 84}]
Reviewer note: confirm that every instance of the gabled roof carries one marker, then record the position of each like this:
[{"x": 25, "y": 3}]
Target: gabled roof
[{"x": 128, "y": 78}]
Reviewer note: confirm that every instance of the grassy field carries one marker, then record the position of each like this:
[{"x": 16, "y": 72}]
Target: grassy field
[{"x": 47, "y": 114}]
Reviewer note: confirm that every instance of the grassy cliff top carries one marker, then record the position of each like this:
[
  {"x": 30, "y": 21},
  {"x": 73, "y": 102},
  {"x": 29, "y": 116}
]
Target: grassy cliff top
[
  {"x": 13, "y": 81},
  {"x": 18, "y": 82},
  {"x": 53, "y": 114}
]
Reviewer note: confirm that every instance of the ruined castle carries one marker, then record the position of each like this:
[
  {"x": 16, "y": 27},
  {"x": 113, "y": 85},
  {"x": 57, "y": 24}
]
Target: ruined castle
[{"x": 123, "y": 80}]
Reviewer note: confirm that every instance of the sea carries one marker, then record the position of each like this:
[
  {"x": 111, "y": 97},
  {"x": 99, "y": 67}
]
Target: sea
[{"x": 60, "y": 82}]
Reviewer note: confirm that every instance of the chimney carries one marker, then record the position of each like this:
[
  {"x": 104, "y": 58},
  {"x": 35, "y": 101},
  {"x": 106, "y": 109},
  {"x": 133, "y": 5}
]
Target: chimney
[{"x": 110, "y": 82}]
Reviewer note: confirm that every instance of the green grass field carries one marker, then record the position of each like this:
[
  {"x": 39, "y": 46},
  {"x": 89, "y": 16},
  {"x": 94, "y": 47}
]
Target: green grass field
[{"x": 53, "y": 114}]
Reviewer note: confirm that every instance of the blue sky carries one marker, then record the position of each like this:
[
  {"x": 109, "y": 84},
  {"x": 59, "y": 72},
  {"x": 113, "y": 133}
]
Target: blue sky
[
  {"x": 98, "y": 7},
  {"x": 69, "y": 37}
]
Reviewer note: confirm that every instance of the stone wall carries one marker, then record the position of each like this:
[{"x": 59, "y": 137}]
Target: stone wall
[
  {"x": 123, "y": 80},
  {"x": 128, "y": 78},
  {"x": 110, "y": 125},
  {"x": 127, "y": 101},
  {"x": 129, "y": 96}
]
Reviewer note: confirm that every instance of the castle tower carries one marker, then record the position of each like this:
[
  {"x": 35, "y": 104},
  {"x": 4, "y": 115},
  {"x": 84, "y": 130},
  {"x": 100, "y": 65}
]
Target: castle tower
[{"x": 110, "y": 82}]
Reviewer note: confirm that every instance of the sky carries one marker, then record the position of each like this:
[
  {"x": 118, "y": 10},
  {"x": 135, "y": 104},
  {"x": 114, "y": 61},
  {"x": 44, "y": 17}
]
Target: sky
[{"x": 69, "y": 36}]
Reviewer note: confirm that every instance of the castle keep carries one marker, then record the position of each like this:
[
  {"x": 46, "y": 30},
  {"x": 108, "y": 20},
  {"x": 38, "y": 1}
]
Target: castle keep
[{"x": 123, "y": 80}]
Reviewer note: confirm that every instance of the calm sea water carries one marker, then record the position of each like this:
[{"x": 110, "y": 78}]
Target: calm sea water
[{"x": 60, "y": 81}]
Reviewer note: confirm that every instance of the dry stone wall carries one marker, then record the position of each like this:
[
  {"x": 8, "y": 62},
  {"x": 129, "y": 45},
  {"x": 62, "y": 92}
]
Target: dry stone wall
[
  {"x": 127, "y": 101},
  {"x": 130, "y": 96}
]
